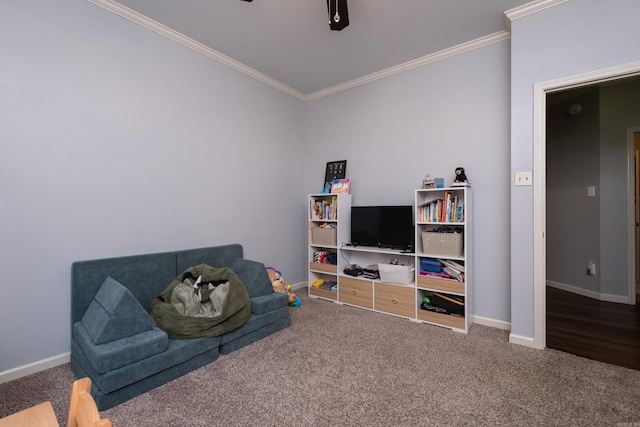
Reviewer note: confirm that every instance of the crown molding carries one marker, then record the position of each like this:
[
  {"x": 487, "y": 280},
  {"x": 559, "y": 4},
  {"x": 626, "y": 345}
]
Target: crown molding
[
  {"x": 165, "y": 31},
  {"x": 529, "y": 8},
  {"x": 171, "y": 34},
  {"x": 443, "y": 54}
]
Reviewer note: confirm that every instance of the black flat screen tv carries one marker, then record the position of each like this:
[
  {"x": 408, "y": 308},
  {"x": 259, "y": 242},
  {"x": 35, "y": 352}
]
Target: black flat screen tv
[{"x": 382, "y": 226}]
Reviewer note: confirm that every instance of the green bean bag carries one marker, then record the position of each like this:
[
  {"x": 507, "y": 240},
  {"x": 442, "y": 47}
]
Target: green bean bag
[{"x": 203, "y": 301}]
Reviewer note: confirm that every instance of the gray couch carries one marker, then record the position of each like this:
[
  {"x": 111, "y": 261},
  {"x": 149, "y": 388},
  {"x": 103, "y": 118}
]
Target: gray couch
[{"x": 116, "y": 343}]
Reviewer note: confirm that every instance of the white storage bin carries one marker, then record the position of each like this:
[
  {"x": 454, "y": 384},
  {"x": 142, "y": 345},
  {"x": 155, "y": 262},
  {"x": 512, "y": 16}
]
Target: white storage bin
[{"x": 398, "y": 274}]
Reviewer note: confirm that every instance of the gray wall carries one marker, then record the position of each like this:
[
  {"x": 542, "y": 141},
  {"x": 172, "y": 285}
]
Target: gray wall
[
  {"x": 573, "y": 218},
  {"x": 568, "y": 39},
  {"x": 454, "y": 112},
  {"x": 116, "y": 141}
]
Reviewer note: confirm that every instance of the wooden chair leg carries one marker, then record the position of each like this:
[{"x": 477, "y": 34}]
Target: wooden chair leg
[{"x": 83, "y": 411}]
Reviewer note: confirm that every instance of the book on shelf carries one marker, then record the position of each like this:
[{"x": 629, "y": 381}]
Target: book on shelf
[
  {"x": 437, "y": 275},
  {"x": 454, "y": 274},
  {"x": 452, "y": 264},
  {"x": 340, "y": 186},
  {"x": 450, "y": 208},
  {"x": 324, "y": 208}
]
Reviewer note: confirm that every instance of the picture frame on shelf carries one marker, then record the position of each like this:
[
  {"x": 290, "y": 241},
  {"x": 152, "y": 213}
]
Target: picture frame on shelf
[
  {"x": 340, "y": 186},
  {"x": 335, "y": 170}
]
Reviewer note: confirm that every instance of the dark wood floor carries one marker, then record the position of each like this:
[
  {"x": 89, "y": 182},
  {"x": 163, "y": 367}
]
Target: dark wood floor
[{"x": 597, "y": 330}]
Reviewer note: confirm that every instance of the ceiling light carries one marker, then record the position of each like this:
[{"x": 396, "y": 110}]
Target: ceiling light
[{"x": 338, "y": 14}]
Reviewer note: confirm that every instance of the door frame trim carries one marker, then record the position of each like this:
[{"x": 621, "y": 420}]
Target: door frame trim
[{"x": 631, "y": 215}]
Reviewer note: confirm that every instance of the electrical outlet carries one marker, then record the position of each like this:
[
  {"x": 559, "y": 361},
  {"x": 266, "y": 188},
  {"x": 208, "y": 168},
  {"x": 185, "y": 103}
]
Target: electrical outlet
[
  {"x": 591, "y": 268},
  {"x": 523, "y": 178}
]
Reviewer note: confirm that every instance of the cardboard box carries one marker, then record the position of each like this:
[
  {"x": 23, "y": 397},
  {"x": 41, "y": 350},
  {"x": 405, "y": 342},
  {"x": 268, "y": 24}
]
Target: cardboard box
[
  {"x": 323, "y": 236},
  {"x": 443, "y": 244},
  {"x": 398, "y": 274}
]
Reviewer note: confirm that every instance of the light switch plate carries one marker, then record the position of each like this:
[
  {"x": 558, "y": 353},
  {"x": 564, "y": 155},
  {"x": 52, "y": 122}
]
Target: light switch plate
[{"x": 523, "y": 178}]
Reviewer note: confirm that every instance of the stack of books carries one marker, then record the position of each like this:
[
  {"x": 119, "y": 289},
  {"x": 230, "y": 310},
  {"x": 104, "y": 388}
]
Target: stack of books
[
  {"x": 329, "y": 286},
  {"x": 371, "y": 272},
  {"x": 442, "y": 268}
]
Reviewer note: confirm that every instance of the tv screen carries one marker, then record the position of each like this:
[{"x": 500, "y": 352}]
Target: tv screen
[{"x": 382, "y": 226}]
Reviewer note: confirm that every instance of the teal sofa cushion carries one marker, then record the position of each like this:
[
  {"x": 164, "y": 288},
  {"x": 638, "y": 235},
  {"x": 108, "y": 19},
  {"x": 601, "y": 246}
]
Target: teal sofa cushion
[
  {"x": 114, "y": 314},
  {"x": 178, "y": 352},
  {"x": 118, "y": 353},
  {"x": 270, "y": 302},
  {"x": 254, "y": 276},
  {"x": 123, "y": 353}
]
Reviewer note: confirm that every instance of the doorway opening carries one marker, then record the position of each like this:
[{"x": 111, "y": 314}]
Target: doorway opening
[
  {"x": 591, "y": 195},
  {"x": 541, "y": 90}
]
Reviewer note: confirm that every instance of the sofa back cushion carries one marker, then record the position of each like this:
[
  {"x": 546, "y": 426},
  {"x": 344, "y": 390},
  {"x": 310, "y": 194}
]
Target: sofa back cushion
[
  {"x": 215, "y": 256},
  {"x": 144, "y": 275},
  {"x": 115, "y": 313}
]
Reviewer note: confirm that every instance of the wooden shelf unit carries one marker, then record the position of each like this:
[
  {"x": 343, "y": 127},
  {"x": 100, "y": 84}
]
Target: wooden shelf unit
[
  {"x": 329, "y": 217},
  {"x": 458, "y": 220},
  {"x": 396, "y": 299}
]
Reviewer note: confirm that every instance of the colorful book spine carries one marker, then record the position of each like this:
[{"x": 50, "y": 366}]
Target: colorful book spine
[{"x": 324, "y": 209}]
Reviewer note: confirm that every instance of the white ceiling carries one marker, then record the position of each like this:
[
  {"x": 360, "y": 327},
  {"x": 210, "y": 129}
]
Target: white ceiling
[{"x": 289, "y": 41}]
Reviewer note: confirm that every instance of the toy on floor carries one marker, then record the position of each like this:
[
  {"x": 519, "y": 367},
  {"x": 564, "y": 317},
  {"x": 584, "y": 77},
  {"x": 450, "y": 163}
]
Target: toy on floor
[{"x": 280, "y": 286}]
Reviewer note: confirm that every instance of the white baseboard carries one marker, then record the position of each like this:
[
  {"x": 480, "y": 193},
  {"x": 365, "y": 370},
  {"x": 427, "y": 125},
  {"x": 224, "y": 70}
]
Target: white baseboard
[
  {"x": 300, "y": 285},
  {"x": 587, "y": 293},
  {"x": 520, "y": 340},
  {"x": 32, "y": 368},
  {"x": 494, "y": 323}
]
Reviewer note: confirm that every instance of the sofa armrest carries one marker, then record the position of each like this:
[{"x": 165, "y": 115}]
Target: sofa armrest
[
  {"x": 115, "y": 354},
  {"x": 266, "y": 303}
]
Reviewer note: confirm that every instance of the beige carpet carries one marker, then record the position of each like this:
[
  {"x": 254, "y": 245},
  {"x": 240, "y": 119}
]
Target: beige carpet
[{"x": 342, "y": 366}]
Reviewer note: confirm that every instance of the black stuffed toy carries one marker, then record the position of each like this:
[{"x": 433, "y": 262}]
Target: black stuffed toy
[{"x": 461, "y": 177}]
